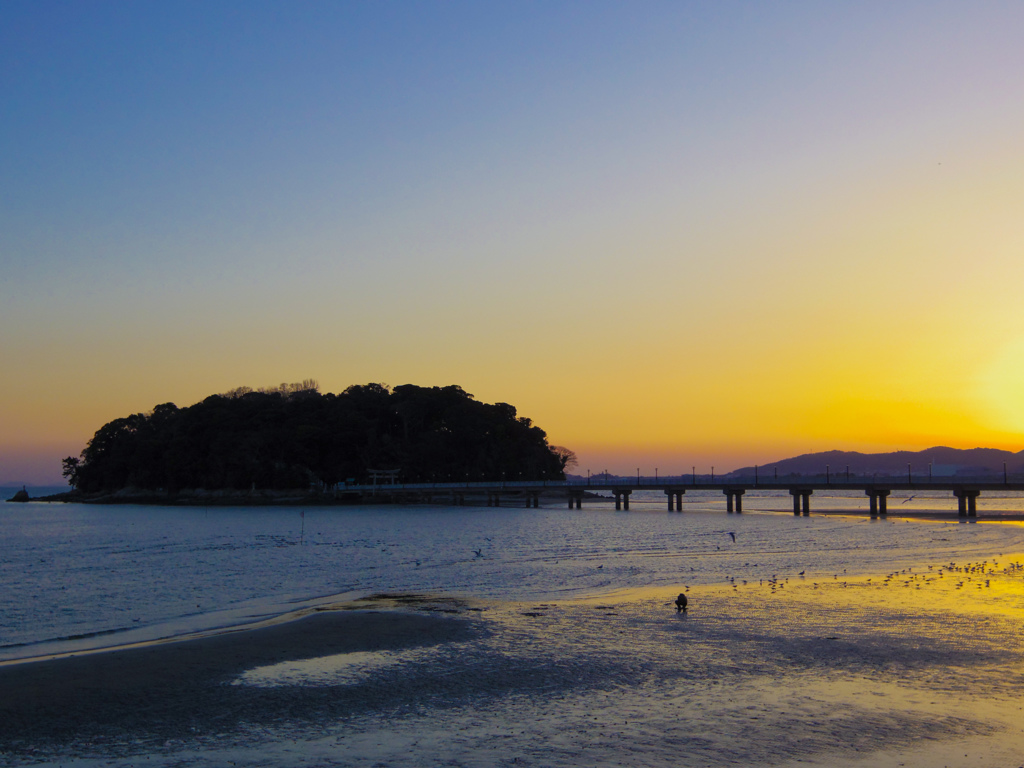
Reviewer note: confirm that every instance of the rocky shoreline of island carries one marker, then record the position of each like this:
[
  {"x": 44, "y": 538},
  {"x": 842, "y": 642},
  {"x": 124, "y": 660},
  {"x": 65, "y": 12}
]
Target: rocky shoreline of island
[{"x": 201, "y": 497}]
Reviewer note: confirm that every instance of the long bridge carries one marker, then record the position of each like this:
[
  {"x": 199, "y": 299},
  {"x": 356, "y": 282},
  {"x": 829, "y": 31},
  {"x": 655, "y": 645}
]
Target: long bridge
[{"x": 877, "y": 490}]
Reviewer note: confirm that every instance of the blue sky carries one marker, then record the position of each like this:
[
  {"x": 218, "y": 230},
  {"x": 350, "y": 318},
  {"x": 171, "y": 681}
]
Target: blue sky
[{"x": 557, "y": 205}]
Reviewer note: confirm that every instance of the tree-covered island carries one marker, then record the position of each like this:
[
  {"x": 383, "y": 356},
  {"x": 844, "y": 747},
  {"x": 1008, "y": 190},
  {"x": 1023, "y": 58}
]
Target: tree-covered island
[{"x": 295, "y": 437}]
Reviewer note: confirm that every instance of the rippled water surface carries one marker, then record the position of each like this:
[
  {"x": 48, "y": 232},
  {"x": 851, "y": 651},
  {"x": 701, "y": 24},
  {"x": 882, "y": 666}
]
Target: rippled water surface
[{"x": 78, "y": 575}]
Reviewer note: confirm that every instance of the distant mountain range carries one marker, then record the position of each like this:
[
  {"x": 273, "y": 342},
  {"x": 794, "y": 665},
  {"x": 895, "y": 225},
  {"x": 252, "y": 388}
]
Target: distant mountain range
[
  {"x": 938, "y": 462},
  {"x": 942, "y": 461}
]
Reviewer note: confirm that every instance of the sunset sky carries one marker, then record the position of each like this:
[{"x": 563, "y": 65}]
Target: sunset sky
[{"x": 672, "y": 234}]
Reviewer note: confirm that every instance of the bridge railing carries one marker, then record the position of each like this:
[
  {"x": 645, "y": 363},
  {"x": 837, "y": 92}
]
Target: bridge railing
[{"x": 768, "y": 482}]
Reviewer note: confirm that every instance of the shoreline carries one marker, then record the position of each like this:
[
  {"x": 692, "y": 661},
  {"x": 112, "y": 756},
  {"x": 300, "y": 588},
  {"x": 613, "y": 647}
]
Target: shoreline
[
  {"x": 336, "y": 604},
  {"x": 354, "y": 600},
  {"x": 808, "y": 656},
  {"x": 158, "y": 689},
  {"x": 948, "y": 517},
  {"x": 315, "y": 501},
  {"x": 266, "y": 498},
  {"x": 260, "y": 499}
]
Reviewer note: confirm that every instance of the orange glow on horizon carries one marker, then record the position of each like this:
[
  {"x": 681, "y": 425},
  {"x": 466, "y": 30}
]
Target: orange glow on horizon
[{"x": 656, "y": 266}]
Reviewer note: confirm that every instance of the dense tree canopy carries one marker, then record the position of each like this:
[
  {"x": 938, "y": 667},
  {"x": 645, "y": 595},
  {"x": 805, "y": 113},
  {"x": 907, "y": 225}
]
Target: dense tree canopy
[{"x": 293, "y": 436}]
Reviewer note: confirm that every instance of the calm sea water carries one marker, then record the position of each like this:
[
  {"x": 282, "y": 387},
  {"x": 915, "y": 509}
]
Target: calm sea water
[{"x": 76, "y": 576}]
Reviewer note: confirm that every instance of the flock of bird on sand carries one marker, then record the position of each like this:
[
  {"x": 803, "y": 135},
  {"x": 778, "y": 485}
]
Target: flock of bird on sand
[
  {"x": 964, "y": 574},
  {"x": 905, "y": 577}
]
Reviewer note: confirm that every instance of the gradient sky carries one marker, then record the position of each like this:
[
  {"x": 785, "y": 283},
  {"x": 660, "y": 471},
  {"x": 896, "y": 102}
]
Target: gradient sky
[{"x": 672, "y": 234}]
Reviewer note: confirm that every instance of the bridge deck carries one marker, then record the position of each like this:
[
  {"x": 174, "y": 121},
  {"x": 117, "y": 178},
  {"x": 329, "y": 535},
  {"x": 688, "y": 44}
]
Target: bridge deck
[
  {"x": 800, "y": 488},
  {"x": 888, "y": 484}
]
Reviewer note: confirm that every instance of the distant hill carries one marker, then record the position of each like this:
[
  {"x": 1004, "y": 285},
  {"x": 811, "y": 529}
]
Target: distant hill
[{"x": 945, "y": 462}]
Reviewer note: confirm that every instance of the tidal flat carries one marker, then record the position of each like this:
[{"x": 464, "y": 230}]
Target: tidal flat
[
  {"x": 917, "y": 664},
  {"x": 918, "y": 669}
]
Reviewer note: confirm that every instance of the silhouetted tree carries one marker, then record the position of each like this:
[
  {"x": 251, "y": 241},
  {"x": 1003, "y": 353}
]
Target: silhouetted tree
[
  {"x": 565, "y": 456},
  {"x": 292, "y": 436},
  {"x": 70, "y": 470}
]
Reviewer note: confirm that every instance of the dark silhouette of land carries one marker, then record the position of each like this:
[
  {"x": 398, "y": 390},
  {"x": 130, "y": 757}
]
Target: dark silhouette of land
[
  {"x": 938, "y": 462},
  {"x": 294, "y": 437},
  {"x": 20, "y": 496}
]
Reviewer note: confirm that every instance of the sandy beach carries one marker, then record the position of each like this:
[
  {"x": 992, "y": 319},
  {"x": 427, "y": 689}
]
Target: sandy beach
[
  {"x": 173, "y": 690},
  {"x": 915, "y": 668}
]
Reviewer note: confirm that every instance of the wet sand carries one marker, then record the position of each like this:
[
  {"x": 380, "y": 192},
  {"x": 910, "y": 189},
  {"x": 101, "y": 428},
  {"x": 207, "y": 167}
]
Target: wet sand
[
  {"x": 172, "y": 690},
  {"x": 922, "y": 667},
  {"x": 931, "y": 515}
]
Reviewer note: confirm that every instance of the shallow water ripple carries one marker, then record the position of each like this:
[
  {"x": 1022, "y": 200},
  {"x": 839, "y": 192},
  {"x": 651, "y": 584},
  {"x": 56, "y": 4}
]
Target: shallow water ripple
[{"x": 74, "y": 570}]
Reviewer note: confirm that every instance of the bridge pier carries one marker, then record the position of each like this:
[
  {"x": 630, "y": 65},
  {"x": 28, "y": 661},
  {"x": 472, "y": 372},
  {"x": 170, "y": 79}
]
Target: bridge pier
[
  {"x": 729, "y": 503},
  {"x": 967, "y": 502},
  {"x": 966, "y": 490},
  {"x": 877, "y": 500},
  {"x": 675, "y": 496},
  {"x": 801, "y": 496}
]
